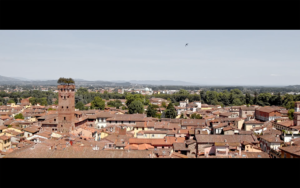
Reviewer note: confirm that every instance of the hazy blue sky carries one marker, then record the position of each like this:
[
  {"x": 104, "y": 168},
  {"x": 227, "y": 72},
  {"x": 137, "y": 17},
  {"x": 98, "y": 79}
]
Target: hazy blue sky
[{"x": 223, "y": 57}]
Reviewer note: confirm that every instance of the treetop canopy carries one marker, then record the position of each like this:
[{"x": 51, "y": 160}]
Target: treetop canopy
[{"x": 64, "y": 81}]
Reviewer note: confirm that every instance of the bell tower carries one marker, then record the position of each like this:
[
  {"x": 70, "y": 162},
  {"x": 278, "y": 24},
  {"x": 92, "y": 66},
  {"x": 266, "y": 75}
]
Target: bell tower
[{"x": 66, "y": 105}]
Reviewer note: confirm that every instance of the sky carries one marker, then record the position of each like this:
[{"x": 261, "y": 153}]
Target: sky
[{"x": 212, "y": 57}]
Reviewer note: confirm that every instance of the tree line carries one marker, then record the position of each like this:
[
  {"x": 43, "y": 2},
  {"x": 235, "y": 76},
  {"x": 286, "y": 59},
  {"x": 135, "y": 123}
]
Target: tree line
[{"x": 135, "y": 102}]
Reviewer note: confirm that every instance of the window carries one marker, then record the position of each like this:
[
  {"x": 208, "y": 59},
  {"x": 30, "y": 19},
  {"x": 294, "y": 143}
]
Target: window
[
  {"x": 67, "y": 107},
  {"x": 64, "y": 118},
  {"x": 64, "y": 97},
  {"x": 153, "y": 135}
]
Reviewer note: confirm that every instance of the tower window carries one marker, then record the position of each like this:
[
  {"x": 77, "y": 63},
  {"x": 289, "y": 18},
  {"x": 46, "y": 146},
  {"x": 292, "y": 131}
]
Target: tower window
[
  {"x": 64, "y": 97},
  {"x": 64, "y": 118},
  {"x": 62, "y": 106},
  {"x": 67, "y": 107}
]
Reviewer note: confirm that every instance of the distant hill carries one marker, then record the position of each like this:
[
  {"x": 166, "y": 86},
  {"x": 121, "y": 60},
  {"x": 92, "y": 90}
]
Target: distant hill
[
  {"x": 21, "y": 78},
  {"x": 293, "y": 87},
  {"x": 162, "y": 82},
  {"x": 4, "y": 78}
]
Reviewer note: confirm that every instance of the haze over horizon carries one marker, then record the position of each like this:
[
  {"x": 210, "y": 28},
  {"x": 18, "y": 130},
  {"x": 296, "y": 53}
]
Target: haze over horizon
[{"x": 217, "y": 57}]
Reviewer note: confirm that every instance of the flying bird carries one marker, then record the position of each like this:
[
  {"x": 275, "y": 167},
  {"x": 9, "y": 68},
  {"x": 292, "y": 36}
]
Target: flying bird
[{"x": 186, "y": 44}]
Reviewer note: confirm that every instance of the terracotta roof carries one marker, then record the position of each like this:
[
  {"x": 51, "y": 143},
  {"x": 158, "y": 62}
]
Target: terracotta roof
[
  {"x": 183, "y": 131},
  {"x": 153, "y": 132},
  {"x": 180, "y": 146},
  {"x": 234, "y": 144},
  {"x": 139, "y": 147},
  {"x": 4, "y": 137},
  {"x": 271, "y": 138},
  {"x": 288, "y": 123},
  {"x": 229, "y": 128},
  {"x": 222, "y": 138},
  {"x": 254, "y": 122},
  {"x": 220, "y": 125},
  {"x": 75, "y": 151},
  {"x": 295, "y": 150},
  {"x": 255, "y": 155},
  {"x": 266, "y": 109},
  {"x": 244, "y": 108},
  {"x": 128, "y": 117},
  {"x": 225, "y": 114},
  {"x": 4, "y": 117},
  {"x": 2, "y": 127},
  {"x": 32, "y": 129},
  {"x": 156, "y": 141},
  {"x": 193, "y": 122},
  {"x": 178, "y": 155}
]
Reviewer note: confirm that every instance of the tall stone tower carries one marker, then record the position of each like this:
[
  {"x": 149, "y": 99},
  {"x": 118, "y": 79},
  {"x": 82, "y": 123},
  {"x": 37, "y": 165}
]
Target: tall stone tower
[
  {"x": 66, "y": 108},
  {"x": 297, "y": 114}
]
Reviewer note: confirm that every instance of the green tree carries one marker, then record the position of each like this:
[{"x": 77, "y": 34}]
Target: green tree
[
  {"x": 151, "y": 112},
  {"x": 291, "y": 113},
  {"x": 163, "y": 104},
  {"x": 170, "y": 111},
  {"x": 196, "y": 116},
  {"x": 255, "y": 100},
  {"x": 118, "y": 103},
  {"x": 10, "y": 101},
  {"x": 79, "y": 105},
  {"x": 132, "y": 97},
  {"x": 136, "y": 107},
  {"x": 290, "y": 105},
  {"x": 247, "y": 98},
  {"x": 42, "y": 101},
  {"x": 19, "y": 116},
  {"x": 183, "y": 92},
  {"x": 98, "y": 103},
  {"x": 237, "y": 102}
]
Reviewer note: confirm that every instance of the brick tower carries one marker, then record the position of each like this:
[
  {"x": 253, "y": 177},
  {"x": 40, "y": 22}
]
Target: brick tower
[
  {"x": 297, "y": 114},
  {"x": 66, "y": 108}
]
